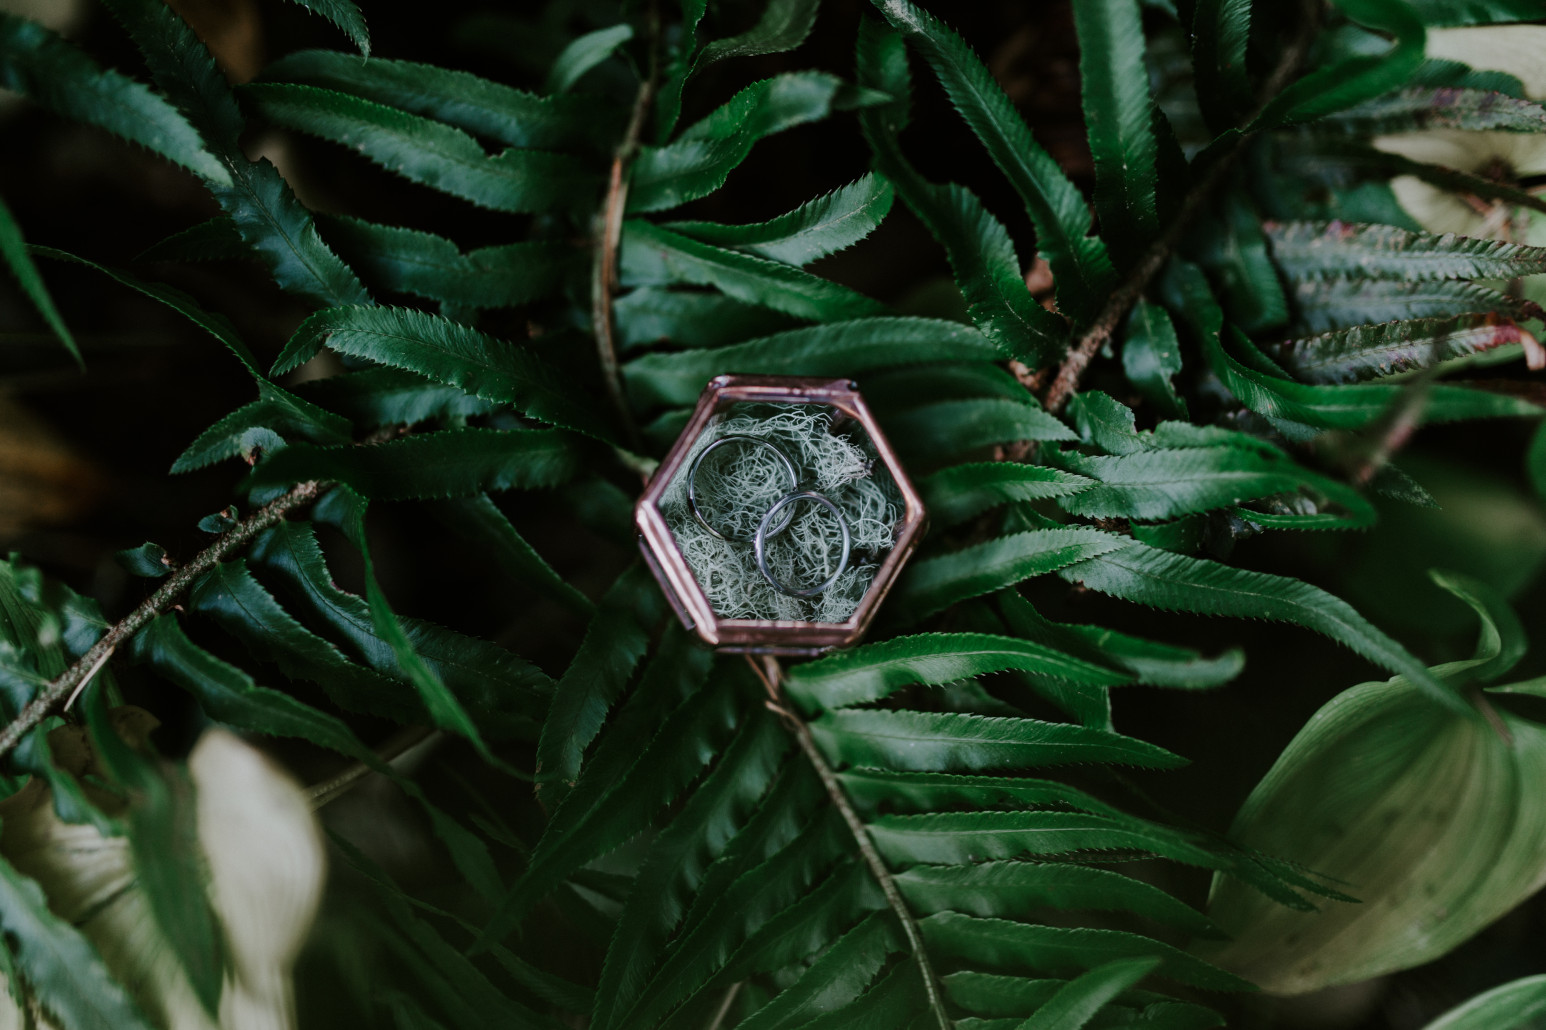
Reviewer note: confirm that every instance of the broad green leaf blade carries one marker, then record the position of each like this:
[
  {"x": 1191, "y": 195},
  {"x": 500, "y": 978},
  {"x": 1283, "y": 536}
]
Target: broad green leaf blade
[
  {"x": 13, "y": 249},
  {"x": 1342, "y": 302},
  {"x": 428, "y": 152},
  {"x": 583, "y": 54},
  {"x": 655, "y": 256},
  {"x": 933, "y": 431},
  {"x": 1151, "y": 357},
  {"x": 936, "y": 583},
  {"x": 44, "y": 67},
  {"x": 447, "y": 352},
  {"x": 1372, "y": 351},
  {"x": 949, "y": 741},
  {"x": 783, "y": 26},
  {"x": 815, "y": 229},
  {"x": 1509, "y": 1007},
  {"x": 449, "y": 463},
  {"x": 345, "y": 15},
  {"x": 961, "y": 492},
  {"x": 480, "y": 521},
  {"x": 878, "y": 670},
  {"x": 476, "y": 105},
  {"x": 1176, "y": 582},
  {"x": 703, "y": 156},
  {"x": 837, "y": 349},
  {"x": 426, "y": 265},
  {"x": 1221, "y": 30},
  {"x": 1056, "y": 208},
  {"x": 1120, "y": 116},
  {"x": 1321, "y": 250},
  {"x": 1081, "y": 999},
  {"x": 60, "y": 965},
  {"x": 615, "y": 641}
]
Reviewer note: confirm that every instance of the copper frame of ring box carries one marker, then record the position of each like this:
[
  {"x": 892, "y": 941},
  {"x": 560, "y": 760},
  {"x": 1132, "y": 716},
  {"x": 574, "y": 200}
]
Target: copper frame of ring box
[{"x": 687, "y": 598}]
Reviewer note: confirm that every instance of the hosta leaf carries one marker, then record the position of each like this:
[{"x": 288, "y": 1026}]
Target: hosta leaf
[
  {"x": 39, "y": 64},
  {"x": 1372, "y": 351},
  {"x": 428, "y": 152},
  {"x": 1057, "y": 951},
  {"x": 13, "y": 250},
  {"x": 60, "y": 965},
  {"x": 936, "y": 583},
  {"x": 960, "y": 492},
  {"x": 1176, "y": 582},
  {"x": 1321, "y": 305},
  {"x": 690, "y": 318},
  {"x": 841, "y": 974},
  {"x": 618, "y": 635},
  {"x": 447, "y": 352},
  {"x": 783, "y": 26},
  {"x": 878, "y": 670},
  {"x": 838, "y": 349},
  {"x": 952, "y": 427},
  {"x": 583, "y": 54},
  {"x": 1151, "y": 357},
  {"x": 1079, "y": 1000},
  {"x": 655, "y": 256},
  {"x": 345, "y": 15},
  {"x": 950, "y": 741},
  {"x": 476, "y": 105},
  {"x": 1420, "y": 108},
  {"x": 1221, "y": 29},
  {"x": 1120, "y": 114},
  {"x": 1056, "y": 208},
  {"x": 981, "y": 254},
  {"x": 426, "y": 265},
  {"x": 1508, "y": 1007},
  {"x": 480, "y": 521},
  {"x": 449, "y": 463},
  {"x": 1023, "y": 889},
  {"x": 826, "y": 225},
  {"x": 1306, "y": 250},
  {"x": 705, "y": 153}
]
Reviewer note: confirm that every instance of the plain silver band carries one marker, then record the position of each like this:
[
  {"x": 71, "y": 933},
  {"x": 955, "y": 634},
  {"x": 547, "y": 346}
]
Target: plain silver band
[
  {"x": 760, "y": 541},
  {"x": 692, "y": 479}
]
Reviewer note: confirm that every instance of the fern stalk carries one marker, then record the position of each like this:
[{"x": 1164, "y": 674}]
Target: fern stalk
[
  {"x": 771, "y": 674},
  {"x": 238, "y": 536}
]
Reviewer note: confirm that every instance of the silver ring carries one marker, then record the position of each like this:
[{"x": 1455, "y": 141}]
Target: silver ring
[
  {"x": 760, "y": 542},
  {"x": 692, "y": 481}
]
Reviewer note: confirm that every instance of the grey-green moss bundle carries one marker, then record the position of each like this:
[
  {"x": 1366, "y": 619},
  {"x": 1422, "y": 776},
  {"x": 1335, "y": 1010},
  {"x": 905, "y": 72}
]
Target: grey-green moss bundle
[{"x": 737, "y": 484}]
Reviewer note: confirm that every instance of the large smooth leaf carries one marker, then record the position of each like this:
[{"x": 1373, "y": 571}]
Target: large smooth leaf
[{"x": 1508, "y": 1007}]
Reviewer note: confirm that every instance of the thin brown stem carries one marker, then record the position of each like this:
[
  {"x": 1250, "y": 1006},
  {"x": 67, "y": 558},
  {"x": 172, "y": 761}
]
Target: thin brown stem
[
  {"x": 610, "y": 236},
  {"x": 1131, "y": 289},
  {"x": 54, "y": 694},
  {"x": 772, "y": 674}
]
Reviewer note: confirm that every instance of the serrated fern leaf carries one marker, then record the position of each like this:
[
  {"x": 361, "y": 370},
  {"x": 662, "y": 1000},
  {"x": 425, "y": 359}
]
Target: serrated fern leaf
[
  {"x": 1322, "y": 305},
  {"x": 376, "y": 397},
  {"x": 215, "y": 239},
  {"x": 813, "y": 230},
  {"x": 584, "y": 53},
  {"x": 13, "y": 250},
  {"x": 837, "y": 978},
  {"x": 961, "y": 492},
  {"x": 690, "y": 318},
  {"x": 1421, "y": 108},
  {"x": 953, "y": 427},
  {"x": 1079, "y": 1000},
  {"x": 837, "y": 349},
  {"x": 1372, "y": 351},
  {"x": 1320, "y": 250},
  {"x": 345, "y": 15},
  {"x": 480, "y": 521},
  {"x": 784, "y": 25},
  {"x": 428, "y": 152},
  {"x": 1151, "y": 357},
  {"x": 1079, "y": 261},
  {"x": 1221, "y": 30}
]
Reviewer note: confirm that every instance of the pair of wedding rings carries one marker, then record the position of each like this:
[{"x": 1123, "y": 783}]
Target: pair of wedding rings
[{"x": 766, "y": 529}]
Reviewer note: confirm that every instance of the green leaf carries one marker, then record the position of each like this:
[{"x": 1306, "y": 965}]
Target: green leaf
[
  {"x": 1221, "y": 31},
  {"x": 1056, "y": 208},
  {"x": 936, "y": 583},
  {"x": 1422, "y": 108},
  {"x": 1079, "y": 1000},
  {"x": 1151, "y": 357},
  {"x": 953, "y": 427},
  {"x": 655, "y": 256},
  {"x": 815, "y": 229},
  {"x": 480, "y": 521},
  {"x": 1321, "y": 250},
  {"x": 1436, "y": 13},
  {"x": 216, "y": 239},
  {"x": 838, "y": 349},
  {"x": 690, "y": 318},
  {"x": 1120, "y": 116},
  {"x": 783, "y": 26},
  {"x": 377, "y": 397},
  {"x": 702, "y": 157},
  {"x": 583, "y": 54},
  {"x": 470, "y": 103},
  {"x": 447, "y": 352},
  {"x": 248, "y": 432},
  {"x": 39, "y": 64},
  {"x": 425, "y": 265},
  {"x": 1501, "y": 643},
  {"x": 1236, "y": 254},
  {"x": 962, "y": 492},
  {"x": 1343, "y": 302},
  {"x": 981, "y": 254},
  {"x": 345, "y": 15},
  {"x": 955, "y": 838},
  {"x": 428, "y": 152},
  {"x": 1106, "y": 422},
  {"x": 13, "y": 249},
  {"x": 1508, "y": 1007},
  {"x": 878, "y": 670},
  {"x": 1373, "y": 351},
  {"x": 1176, "y": 582},
  {"x": 954, "y": 742},
  {"x": 840, "y": 975},
  {"x": 60, "y": 966},
  {"x": 1001, "y": 944},
  {"x": 148, "y": 559},
  {"x": 615, "y": 641}
]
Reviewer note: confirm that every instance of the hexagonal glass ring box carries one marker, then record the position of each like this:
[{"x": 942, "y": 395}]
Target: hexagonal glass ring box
[{"x": 781, "y": 516}]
